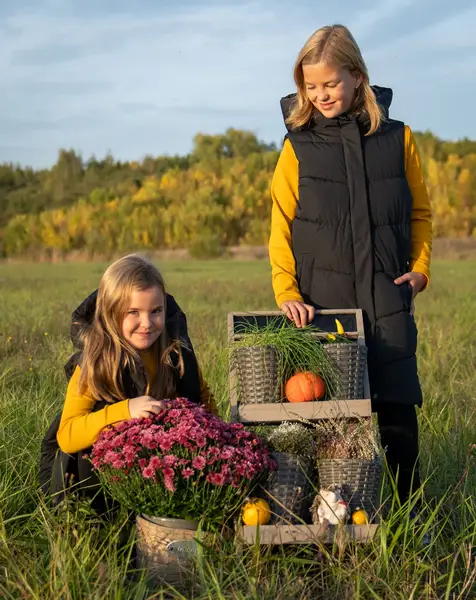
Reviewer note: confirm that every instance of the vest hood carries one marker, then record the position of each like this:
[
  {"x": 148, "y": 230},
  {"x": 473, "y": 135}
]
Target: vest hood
[{"x": 383, "y": 95}]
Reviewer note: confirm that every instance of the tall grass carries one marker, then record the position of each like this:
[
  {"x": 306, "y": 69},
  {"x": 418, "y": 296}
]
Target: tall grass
[{"x": 69, "y": 555}]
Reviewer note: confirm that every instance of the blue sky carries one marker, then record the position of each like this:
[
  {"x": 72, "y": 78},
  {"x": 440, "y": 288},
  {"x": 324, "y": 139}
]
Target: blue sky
[{"x": 139, "y": 77}]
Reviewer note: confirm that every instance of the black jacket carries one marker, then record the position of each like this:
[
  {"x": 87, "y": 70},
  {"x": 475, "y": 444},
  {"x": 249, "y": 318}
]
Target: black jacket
[
  {"x": 57, "y": 467},
  {"x": 351, "y": 237}
]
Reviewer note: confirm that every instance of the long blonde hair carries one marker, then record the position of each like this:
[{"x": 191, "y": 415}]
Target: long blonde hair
[
  {"x": 334, "y": 44},
  {"x": 106, "y": 354}
]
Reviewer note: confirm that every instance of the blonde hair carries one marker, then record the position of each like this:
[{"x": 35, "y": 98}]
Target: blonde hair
[
  {"x": 334, "y": 44},
  {"x": 106, "y": 354}
]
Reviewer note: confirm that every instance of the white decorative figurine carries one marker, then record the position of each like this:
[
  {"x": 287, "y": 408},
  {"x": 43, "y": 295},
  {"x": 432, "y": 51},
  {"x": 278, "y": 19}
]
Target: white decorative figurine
[{"x": 332, "y": 508}]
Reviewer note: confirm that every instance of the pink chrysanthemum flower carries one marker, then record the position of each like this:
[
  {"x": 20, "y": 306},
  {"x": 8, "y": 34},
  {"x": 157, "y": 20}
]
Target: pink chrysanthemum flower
[{"x": 183, "y": 461}]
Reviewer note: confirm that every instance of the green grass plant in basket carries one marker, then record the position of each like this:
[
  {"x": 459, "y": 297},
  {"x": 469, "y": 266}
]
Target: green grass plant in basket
[{"x": 279, "y": 361}]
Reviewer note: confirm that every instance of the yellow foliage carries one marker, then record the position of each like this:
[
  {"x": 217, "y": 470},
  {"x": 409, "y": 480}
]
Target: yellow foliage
[
  {"x": 226, "y": 201},
  {"x": 112, "y": 204}
]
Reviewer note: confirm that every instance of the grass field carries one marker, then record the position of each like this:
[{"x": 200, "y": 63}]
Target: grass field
[{"x": 67, "y": 557}]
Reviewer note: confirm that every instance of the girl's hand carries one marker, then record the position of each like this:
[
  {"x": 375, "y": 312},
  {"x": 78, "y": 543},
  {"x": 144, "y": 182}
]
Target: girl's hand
[
  {"x": 300, "y": 313},
  {"x": 417, "y": 282},
  {"x": 143, "y": 407}
]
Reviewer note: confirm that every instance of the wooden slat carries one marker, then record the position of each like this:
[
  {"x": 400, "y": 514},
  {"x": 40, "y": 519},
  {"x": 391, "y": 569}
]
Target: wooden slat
[
  {"x": 352, "y": 335},
  {"x": 359, "y": 334},
  {"x": 304, "y": 534},
  {"x": 287, "y": 411},
  {"x": 231, "y": 325},
  {"x": 360, "y": 325},
  {"x": 232, "y": 378},
  {"x": 366, "y": 384},
  {"x": 278, "y": 313}
]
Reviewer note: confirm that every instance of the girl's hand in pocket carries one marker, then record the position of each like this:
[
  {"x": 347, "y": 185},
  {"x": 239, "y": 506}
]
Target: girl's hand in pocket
[{"x": 417, "y": 282}]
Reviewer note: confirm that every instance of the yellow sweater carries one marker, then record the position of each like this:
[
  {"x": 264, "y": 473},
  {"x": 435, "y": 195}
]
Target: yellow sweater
[
  {"x": 80, "y": 427},
  {"x": 284, "y": 193}
]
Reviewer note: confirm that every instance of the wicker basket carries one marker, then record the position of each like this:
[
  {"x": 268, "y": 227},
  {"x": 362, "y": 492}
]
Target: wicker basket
[
  {"x": 258, "y": 374},
  {"x": 359, "y": 481},
  {"x": 350, "y": 361},
  {"x": 289, "y": 490}
]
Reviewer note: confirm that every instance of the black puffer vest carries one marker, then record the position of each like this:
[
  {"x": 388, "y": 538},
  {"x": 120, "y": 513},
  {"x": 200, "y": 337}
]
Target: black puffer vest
[{"x": 352, "y": 237}]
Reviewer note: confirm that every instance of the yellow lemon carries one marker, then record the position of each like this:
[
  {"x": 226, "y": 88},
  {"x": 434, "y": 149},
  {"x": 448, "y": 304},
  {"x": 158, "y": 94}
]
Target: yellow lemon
[
  {"x": 359, "y": 517},
  {"x": 256, "y": 511},
  {"x": 340, "y": 328}
]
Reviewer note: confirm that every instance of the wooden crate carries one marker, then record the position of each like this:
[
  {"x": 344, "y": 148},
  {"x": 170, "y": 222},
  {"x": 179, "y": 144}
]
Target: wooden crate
[
  {"x": 268, "y": 535},
  {"x": 274, "y": 412},
  {"x": 250, "y": 414}
]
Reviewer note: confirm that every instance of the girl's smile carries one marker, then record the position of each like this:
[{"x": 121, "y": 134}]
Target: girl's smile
[{"x": 326, "y": 106}]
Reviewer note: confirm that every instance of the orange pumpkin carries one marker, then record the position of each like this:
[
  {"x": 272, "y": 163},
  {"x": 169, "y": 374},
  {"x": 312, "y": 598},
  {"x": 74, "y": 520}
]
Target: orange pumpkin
[{"x": 305, "y": 387}]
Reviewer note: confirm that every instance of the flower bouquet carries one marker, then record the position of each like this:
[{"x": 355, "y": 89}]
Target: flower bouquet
[{"x": 183, "y": 463}]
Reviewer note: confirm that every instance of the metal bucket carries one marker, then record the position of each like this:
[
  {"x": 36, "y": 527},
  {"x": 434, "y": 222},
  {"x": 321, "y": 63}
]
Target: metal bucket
[{"x": 165, "y": 548}]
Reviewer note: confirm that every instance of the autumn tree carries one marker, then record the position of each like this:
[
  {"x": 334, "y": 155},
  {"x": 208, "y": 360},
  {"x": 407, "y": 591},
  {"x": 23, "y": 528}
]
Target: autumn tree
[{"x": 216, "y": 196}]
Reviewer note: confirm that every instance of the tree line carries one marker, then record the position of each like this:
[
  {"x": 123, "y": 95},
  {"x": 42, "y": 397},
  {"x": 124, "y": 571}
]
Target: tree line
[{"x": 214, "y": 197}]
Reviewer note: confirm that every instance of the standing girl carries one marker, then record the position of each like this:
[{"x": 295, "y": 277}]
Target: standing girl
[
  {"x": 351, "y": 226},
  {"x": 129, "y": 364}
]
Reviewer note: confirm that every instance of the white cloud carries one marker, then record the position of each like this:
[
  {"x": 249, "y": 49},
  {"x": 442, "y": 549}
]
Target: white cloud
[
  {"x": 147, "y": 81},
  {"x": 452, "y": 34},
  {"x": 190, "y": 57},
  {"x": 367, "y": 20}
]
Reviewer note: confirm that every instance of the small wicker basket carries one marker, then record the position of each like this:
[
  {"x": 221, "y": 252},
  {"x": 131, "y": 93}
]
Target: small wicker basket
[
  {"x": 350, "y": 361},
  {"x": 289, "y": 490},
  {"x": 358, "y": 480},
  {"x": 257, "y": 370}
]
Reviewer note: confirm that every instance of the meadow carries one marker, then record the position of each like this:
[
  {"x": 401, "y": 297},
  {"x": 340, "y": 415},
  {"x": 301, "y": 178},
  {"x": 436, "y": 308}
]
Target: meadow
[{"x": 69, "y": 556}]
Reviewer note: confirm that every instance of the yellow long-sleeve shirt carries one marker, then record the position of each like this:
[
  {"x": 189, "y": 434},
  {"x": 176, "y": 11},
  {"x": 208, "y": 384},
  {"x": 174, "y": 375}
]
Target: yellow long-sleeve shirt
[
  {"x": 284, "y": 193},
  {"x": 80, "y": 427}
]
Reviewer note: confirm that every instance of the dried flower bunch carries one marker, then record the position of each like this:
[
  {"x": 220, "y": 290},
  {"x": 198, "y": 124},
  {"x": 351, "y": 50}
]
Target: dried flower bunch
[
  {"x": 347, "y": 438},
  {"x": 293, "y": 438},
  {"x": 183, "y": 463}
]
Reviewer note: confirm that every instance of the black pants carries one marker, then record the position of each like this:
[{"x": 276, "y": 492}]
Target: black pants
[{"x": 398, "y": 427}]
